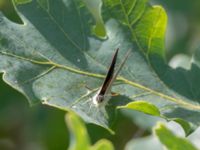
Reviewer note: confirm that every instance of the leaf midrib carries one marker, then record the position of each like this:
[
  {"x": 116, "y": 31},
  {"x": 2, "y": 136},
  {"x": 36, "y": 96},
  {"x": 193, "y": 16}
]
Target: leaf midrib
[{"x": 120, "y": 78}]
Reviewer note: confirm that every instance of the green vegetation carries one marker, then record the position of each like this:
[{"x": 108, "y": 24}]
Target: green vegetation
[{"x": 57, "y": 54}]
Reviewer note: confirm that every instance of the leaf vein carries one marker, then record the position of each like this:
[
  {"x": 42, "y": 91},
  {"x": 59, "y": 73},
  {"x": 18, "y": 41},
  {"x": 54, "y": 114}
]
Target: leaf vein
[{"x": 134, "y": 84}]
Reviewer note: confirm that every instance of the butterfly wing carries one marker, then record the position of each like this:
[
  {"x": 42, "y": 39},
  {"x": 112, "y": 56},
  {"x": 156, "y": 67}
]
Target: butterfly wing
[{"x": 109, "y": 75}]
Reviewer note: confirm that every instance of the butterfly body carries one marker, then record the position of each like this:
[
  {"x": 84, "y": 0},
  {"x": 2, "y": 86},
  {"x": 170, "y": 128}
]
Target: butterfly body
[{"x": 100, "y": 100}]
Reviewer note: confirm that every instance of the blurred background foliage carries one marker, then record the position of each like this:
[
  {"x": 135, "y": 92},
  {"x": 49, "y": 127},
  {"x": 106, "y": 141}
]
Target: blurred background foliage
[
  {"x": 183, "y": 26},
  {"x": 43, "y": 128}
]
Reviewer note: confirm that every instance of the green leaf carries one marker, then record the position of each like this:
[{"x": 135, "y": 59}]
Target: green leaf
[
  {"x": 185, "y": 125},
  {"x": 127, "y": 12},
  {"x": 149, "y": 31},
  {"x": 143, "y": 106},
  {"x": 55, "y": 56},
  {"x": 79, "y": 138},
  {"x": 152, "y": 141},
  {"x": 151, "y": 109},
  {"x": 8, "y": 9},
  {"x": 103, "y": 145},
  {"x": 95, "y": 9},
  {"x": 171, "y": 141}
]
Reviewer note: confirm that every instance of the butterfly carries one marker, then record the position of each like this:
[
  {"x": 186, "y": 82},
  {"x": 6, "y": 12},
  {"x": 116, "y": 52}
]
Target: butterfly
[{"x": 104, "y": 93}]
